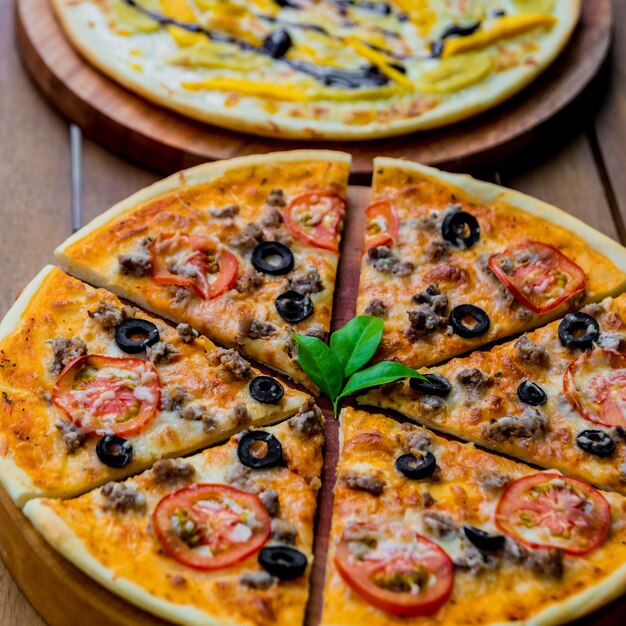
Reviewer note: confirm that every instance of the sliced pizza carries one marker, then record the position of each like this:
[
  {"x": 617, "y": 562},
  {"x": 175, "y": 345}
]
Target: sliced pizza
[
  {"x": 244, "y": 250},
  {"x": 94, "y": 390},
  {"x": 430, "y": 531},
  {"x": 452, "y": 263},
  {"x": 223, "y": 537},
  {"x": 555, "y": 397}
]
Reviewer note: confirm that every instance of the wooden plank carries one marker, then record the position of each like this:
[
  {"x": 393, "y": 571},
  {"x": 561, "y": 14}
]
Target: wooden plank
[
  {"x": 34, "y": 200},
  {"x": 570, "y": 180},
  {"x": 610, "y": 124}
]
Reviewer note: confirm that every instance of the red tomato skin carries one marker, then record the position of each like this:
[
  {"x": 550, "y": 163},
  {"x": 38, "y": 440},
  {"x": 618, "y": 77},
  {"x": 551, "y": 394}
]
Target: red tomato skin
[
  {"x": 321, "y": 237},
  {"x": 599, "y": 499},
  {"x": 200, "y": 563},
  {"x": 377, "y": 597},
  {"x": 573, "y": 395},
  {"x": 226, "y": 260},
  {"x": 520, "y": 297},
  {"x": 387, "y": 237},
  {"x": 131, "y": 427}
]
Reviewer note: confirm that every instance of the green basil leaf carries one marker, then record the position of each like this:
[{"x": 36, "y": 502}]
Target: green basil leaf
[
  {"x": 379, "y": 374},
  {"x": 320, "y": 364},
  {"x": 355, "y": 343}
]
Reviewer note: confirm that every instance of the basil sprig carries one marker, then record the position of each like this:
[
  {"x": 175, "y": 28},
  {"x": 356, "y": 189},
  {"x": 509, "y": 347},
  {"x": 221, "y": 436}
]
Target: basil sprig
[{"x": 351, "y": 348}]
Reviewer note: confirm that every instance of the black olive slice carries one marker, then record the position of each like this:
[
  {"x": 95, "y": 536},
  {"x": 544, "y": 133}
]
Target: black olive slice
[
  {"x": 578, "y": 330},
  {"x": 283, "y": 562},
  {"x": 415, "y": 467},
  {"x": 114, "y": 451},
  {"x": 531, "y": 393},
  {"x": 266, "y": 389},
  {"x": 460, "y": 229},
  {"x": 293, "y": 306},
  {"x": 595, "y": 442},
  {"x": 463, "y": 311},
  {"x": 272, "y": 257},
  {"x": 482, "y": 539},
  {"x": 277, "y": 44},
  {"x": 135, "y": 335},
  {"x": 267, "y": 453},
  {"x": 434, "y": 385}
]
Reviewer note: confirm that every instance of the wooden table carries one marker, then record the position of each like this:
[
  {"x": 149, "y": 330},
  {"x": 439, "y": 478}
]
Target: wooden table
[{"x": 580, "y": 167}]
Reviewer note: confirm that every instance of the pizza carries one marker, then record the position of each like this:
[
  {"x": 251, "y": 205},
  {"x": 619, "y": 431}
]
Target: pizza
[
  {"x": 451, "y": 263},
  {"x": 321, "y": 69},
  {"x": 222, "y": 537},
  {"x": 93, "y": 390},
  {"x": 430, "y": 531},
  {"x": 245, "y": 251},
  {"x": 555, "y": 397}
]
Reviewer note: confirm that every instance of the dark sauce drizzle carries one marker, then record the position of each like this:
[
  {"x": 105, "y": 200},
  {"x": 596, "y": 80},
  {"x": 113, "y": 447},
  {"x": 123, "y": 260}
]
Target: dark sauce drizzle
[{"x": 367, "y": 76}]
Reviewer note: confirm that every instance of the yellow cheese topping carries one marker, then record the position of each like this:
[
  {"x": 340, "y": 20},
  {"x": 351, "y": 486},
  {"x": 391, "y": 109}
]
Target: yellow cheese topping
[
  {"x": 502, "y": 28},
  {"x": 181, "y": 11},
  {"x": 455, "y": 73}
]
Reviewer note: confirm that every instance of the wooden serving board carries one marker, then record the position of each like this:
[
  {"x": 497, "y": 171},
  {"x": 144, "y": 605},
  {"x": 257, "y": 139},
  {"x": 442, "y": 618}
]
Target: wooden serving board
[
  {"x": 165, "y": 141},
  {"x": 65, "y": 596}
]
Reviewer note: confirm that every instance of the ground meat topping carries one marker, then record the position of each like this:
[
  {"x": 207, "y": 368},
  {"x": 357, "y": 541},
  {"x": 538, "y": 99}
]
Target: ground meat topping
[
  {"x": 545, "y": 563},
  {"x": 234, "y": 362},
  {"x": 493, "y": 481},
  {"x": 198, "y": 413},
  {"x": 472, "y": 377},
  {"x": 173, "y": 398},
  {"x": 283, "y": 531},
  {"x": 437, "y": 250},
  {"x": 186, "y": 333},
  {"x": 382, "y": 259},
  {"x": 440, "y": 525},
  {"x": 376, "y": 307},
  {"x": 430, "y": 313},
  {"x": 531, "y": 424},
  {"x": 414, "y": 441},
  {"x": 473, "y": 560},
  {"x": 272, "y": 219},
  {"x": 432, "y": 403},
  {"x": 240, "y": 414},
  {"x": 171, "y": 470},
  {"x": 427, "y": 499},
  {"x": 108, "y": 315},
  {"x": 276, "y": 198},
  {"x": 622, "y": 472},
  {"x": 308, "y": 282},
  {"x": 162, "y": 352},
  {"x": 250, "y": 237},
  {"x": 308, "y": 420},
  {"x": 66, "y": 350},
  {"x": 260, "y": 330},
  {"x": 316, "y": 330},
  {"x": 250, "y": 281},
  {"x": 257, "y": 580},
  {"x": 73, "y": 437},
  {"x": 136, "y": 263},
  {"x": 180, "y": 295},
  {"x": 121, "y": 498},
  {"x": 227, "y": 212},
  {"x": 612, "y": 341},
  {"x": 364, "y": 482},
  {"x": 529, "y": 352},
  {"x": 270, "y": 500}
]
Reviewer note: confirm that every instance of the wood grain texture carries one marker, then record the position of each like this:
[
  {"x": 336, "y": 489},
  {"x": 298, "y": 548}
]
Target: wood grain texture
[{"x": 153, "y": 136}]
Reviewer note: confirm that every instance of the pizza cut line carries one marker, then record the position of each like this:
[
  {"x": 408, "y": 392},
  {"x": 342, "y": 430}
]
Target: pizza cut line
[
  {"x": 330, "y": 69},
  {"x": 246, "y": 251}
]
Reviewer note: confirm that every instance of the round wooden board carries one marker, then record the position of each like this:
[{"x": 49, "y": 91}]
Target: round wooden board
[
  {"x": 165, "y": 141},
  {"x": 63, "y": 595}
]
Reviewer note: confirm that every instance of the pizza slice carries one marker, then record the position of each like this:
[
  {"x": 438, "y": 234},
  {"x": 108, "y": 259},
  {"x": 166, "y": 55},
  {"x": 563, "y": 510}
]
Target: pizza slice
[
  {"x": 94, "y": 390},
  {"x": 555, "y": 397},
  {"x": 222, "y": 538},
  {"x": 452, "y": 263},
  {"x": 429, "y": 531},
  {"x": 244, "y": 250}
]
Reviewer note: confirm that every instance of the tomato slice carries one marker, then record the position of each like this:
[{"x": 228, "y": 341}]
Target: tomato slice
[
  {"x": 194, "y": 261},
  {"x": 382, "y": 224},
  {"x": 108, "y": 394},
  {"x": 547, "y": 510},
  {"x": 538, "y": 275},
  {"x": 316, "y": 218},
  {"x": 394, "y": 568},
  {"x": 210, "y": 526},
  {"x": 595, "y": 385}
]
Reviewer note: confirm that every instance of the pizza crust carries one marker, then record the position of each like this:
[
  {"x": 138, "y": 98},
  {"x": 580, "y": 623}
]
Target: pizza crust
[{"x": 253, "y": 118}]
